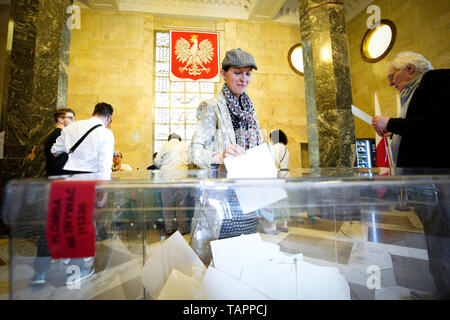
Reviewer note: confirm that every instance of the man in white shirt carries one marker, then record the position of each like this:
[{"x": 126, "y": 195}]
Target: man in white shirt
[
  {"x": 173, "y": 156},
  {"x": 95, "y": 153}
]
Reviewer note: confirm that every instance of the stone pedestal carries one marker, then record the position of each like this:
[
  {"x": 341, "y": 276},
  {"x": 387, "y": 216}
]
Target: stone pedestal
[
  {"x": 37, "y": 83},
  {"x": 331, "y": 129}
]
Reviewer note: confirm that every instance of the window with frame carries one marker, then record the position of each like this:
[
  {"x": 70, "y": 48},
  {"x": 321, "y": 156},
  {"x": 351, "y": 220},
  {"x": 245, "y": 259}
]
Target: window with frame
[{"x": 175, "y": 102}]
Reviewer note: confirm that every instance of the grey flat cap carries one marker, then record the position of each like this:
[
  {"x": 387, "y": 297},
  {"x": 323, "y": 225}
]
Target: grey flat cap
[{"x": 238, "y": 58}]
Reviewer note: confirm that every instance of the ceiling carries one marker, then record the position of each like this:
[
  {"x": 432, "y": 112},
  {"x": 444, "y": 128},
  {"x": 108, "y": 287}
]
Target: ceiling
[{"x": 279, "y": 11}]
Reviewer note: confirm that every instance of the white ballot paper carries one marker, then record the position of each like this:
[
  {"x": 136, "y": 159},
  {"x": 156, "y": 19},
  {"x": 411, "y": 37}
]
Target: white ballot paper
[
  {"x": 217, "y": 285},
  {"x": 232, "y": 255},
  {"x": 254, "y": 197},
  {"x": 256, "y": 163},
  {"x": 362, "y": 115},
  {"x": 174, "y": 253},
  {"x": 321, "y": 283},
  {"x": 181, "y": 287},
  {"x": 245, "y": 268}
]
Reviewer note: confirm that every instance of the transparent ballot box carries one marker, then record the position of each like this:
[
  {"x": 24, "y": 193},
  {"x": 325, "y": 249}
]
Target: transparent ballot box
[{"x": 308, "y": 234}]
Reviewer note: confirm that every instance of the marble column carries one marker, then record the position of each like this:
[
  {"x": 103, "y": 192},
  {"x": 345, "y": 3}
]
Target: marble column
[
  {"x": 331, "y": 129},
  {"x": 37, "y": 83}
]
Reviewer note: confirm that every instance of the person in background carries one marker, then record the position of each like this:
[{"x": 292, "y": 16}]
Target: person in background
[
  {"x": 279, "y": 141},
  {"x": 226, "y": 127},
  {"x": 418, "y": 130},
  {"x": 418, "y": 138},
  {"x": 172, "y": 158},
  {"x": 173, "y": 155},
  {"x": 281, "y": 210},
  {"x": 95, "y": 153},
  {"x": 63, "y": 118},
  {"x": 117, "y": 163}
]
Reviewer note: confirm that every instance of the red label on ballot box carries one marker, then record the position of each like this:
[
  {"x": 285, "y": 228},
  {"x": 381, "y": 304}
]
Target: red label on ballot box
[{"x": 70, "y": 226}]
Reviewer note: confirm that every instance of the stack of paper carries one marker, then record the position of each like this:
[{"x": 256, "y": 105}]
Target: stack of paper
[
  {"x": 245, "y": 267},
  {"x": 174, "y": 253}
]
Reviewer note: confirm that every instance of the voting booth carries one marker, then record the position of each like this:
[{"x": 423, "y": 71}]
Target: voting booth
[{"x": 351, "y": 234}]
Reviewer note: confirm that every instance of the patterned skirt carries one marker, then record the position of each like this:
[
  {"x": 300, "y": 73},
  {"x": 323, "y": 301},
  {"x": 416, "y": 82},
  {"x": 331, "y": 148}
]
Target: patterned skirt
[{"x": 235, "y": 222}]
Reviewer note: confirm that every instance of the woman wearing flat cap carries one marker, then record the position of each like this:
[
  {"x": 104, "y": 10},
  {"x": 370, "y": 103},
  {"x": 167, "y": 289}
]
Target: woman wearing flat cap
[{"x": 226, "y": 127}]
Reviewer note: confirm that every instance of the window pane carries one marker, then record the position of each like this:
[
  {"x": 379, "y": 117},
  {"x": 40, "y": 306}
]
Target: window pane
[
  {"x": 162, "y": 39},
  {"x": 162, "y": 84},
  {"x": 162, "y": 53},
  {"x": 177, "y": 116},
  {"x": 207, "y": 86},
  {"x": 206, "y": 96},
  {"x": 161, "y": 99},
  {"x": 178, "y": 129},
  {"x": 192, "y": 86},
  {"x": 177, "y": 86},
  {"x": 191, "y": 115},
  {"x": 177, "y": 100},
  {"x": 161, "y": 115},
  {"x": 161, "y": 131},
  {"x": 162, "y": 68},
  {"x": 192, "y": 100},
  {"x": 190, "y": 131}
]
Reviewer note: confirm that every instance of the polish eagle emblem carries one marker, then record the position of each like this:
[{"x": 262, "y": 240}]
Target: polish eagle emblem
[{"x": 194, "y": 56}]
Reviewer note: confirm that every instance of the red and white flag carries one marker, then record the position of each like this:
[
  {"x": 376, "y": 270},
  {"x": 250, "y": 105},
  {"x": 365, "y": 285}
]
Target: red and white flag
[
  {"x": 194, "y": 56},
  {"x": 383, "y": 153}
]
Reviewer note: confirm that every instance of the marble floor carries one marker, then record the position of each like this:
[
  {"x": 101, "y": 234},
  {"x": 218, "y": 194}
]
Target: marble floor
[{"x": 389, "y": 240}]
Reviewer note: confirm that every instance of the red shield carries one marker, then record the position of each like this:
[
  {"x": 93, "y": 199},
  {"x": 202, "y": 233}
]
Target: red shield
[{"x": 194, "y": 56}]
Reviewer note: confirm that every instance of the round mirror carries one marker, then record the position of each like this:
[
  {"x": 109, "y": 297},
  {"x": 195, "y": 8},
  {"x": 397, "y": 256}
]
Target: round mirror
[
  {"x": 295, "y": 58},
  {"x": 378, "y": 41}
]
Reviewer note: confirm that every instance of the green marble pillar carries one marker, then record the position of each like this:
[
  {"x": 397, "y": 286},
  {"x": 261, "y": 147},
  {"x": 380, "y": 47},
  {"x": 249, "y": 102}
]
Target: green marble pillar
[
  {"x": 331, "y": 129},
  {"x": 37, "y": 83}
]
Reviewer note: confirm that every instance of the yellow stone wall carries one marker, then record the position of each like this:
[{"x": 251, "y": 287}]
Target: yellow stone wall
[
  {"x": 422, "y": 26},
  {"x": 111, "y": 60}
]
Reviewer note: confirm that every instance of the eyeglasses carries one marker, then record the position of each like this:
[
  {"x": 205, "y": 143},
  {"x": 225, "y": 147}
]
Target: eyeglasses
[{"x": 390, "y": 77}]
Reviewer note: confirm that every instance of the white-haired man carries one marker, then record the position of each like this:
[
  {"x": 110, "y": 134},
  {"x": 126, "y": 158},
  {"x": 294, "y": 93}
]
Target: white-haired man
[
  {"x": 419, "y": 140},
  {"x": 422, "y": 126}
]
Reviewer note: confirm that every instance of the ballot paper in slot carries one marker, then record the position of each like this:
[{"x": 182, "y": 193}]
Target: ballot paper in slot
[
  {"x": 257, "y": 197},
  {"x": 256, "y": 163}
]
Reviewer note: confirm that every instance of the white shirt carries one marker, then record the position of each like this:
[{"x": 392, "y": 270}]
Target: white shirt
[
  {"x": 281, "y": 155},
  {"x": 173, "y": 156},
  {"x": 94, "y": 154}
]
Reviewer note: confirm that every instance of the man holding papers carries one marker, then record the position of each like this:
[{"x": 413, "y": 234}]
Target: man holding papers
[
  {"x": 421, "y": 129},
  {"x": 226, "y": 127}
]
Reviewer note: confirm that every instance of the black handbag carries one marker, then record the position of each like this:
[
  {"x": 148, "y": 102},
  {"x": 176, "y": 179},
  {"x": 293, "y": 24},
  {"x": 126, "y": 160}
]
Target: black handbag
[{"x": 60, "y": 160}]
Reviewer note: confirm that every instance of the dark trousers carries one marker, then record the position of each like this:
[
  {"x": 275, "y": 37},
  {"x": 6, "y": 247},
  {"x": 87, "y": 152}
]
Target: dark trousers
[{"x": 436, "y": 223}]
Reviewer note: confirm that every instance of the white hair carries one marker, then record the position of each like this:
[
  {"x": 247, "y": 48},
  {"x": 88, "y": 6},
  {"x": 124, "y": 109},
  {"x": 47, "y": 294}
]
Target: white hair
[{"x": 408, "y": 57}]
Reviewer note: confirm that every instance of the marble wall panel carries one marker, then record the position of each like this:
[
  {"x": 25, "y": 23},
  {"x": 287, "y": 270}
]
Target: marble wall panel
[
  {"x": 327, "y": 81},
  {"x": 34, "y": 84}
]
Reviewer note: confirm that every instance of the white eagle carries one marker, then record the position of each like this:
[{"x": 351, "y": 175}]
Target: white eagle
[{"x": 194, "y": 56}]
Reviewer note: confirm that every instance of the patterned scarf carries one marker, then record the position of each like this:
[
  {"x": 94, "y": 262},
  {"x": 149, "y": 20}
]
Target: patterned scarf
[
  {"x": 243, "y": 117},
  {"x": 405, "y": 98}
]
